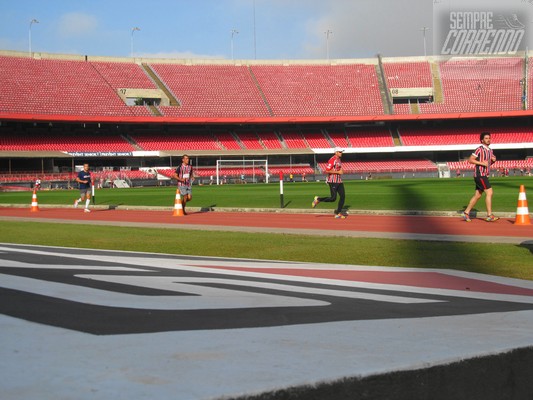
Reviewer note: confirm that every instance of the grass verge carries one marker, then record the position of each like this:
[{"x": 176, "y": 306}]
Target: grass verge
[{"x": 495, "y": 259}]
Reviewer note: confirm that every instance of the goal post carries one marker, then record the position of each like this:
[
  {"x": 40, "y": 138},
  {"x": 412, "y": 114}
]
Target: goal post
[{"x": 235, "y": 169}]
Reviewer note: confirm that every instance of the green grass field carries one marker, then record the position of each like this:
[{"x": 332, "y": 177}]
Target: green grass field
[
  {"x": 398, "y": 194},
  {"x": 410, "y": 194}
]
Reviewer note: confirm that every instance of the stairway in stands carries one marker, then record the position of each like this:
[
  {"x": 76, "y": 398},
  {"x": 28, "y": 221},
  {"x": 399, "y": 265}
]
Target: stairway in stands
[
  {"x": 383, "y": 87},
  {"x": 173, "y": 101},
  {"x": 130, "y": 140},
  {"x": 261, "y": 92},
  {"x": 437, "y": 83}
]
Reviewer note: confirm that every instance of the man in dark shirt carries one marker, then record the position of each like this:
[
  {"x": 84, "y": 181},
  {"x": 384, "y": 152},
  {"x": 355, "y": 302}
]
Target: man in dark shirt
[{"x": 84, "y": 180}]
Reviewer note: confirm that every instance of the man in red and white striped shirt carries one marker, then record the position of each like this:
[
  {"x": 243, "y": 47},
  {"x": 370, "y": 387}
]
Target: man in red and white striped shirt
[
  {"x": 482, "y": 158},
  {"x": 334, "y": 180},
  {"x": 184, "y": 175}
]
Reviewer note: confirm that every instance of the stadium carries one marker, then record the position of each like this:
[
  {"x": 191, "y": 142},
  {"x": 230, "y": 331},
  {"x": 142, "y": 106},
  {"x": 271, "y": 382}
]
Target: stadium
[
  {"x": 394, "y": 116},
  {"x": 398, "y": 120}
]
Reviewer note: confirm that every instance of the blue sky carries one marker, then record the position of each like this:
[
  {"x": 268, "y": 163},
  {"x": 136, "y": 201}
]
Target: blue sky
[{"x": 283, "y": 29}]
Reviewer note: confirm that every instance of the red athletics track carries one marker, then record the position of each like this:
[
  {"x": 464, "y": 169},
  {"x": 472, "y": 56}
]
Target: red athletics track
[{"x": 413, "y": 227}]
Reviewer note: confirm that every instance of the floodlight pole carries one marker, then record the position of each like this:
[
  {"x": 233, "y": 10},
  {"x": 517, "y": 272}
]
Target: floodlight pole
[
  {"x": 131, "y": 43},
  {"x": 424, "y": 29},
  {"x": 327, "y": 33},
  {"x": 33, "y": 21},
  {"x": 233, "y": 33},
  {"x": 255, "y": 50}
]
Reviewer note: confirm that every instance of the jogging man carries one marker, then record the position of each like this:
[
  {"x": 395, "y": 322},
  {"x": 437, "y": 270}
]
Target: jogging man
[
  {"x": 482, "y": 158},
  {"x": 184, "y": 175},
  {"x": 334, "y": 180},
  {"x": 84, "y": 179}
]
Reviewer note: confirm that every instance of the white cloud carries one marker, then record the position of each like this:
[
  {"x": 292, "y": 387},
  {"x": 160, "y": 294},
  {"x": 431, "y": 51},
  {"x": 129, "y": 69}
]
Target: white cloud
[
  {"x": 364, "y": 28},
  {"x": 77, "y": 24}
]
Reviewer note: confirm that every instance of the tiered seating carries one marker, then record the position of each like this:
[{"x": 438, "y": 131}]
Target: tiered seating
[
  {"x": 369, "y": 138},
  {"x": 227, "y": 140},
  {"x": 168, "y": 172},
  {"x": 122, "y": 75},
  {"x": 402, "y": 108},
  {"x": 211, "y": 90},
  {"x": 247, "y": 170},
  {"x": 316, "y": 139},
  {"x": 250, "y": 140},
  {"x": 32, "y": 176},
  {"x": 293, "y": 140},
  {"x": 474, "y": 85},
  {"x": 79, "y": 141},
  {"x": 270, "y": 140},
  {"x": 89, "y": 88},
  {"x": 70, "y": 176},
  {"x": 338, "y": 138},
  {"x": 385, "y": 166},
  {"x": 416, "y": 136},
  {"x": 499, "y": 164},
  {"x": 408, "y": 74},
  {"x": 56, "y": 87},
  {"x": 312, "y": 90},
  {"x": 126, "y": 75},
  {"x": 195, "y": 140},
  {"x": 297, "y": 169},
  {"x": 122, "y": 174}
]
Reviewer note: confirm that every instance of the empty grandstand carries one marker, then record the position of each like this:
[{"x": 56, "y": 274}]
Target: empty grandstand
[{"x": 391, "y": 115}]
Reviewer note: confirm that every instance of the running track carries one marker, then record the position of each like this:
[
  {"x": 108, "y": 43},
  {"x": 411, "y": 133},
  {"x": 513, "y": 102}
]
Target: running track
[{"x": 385, "y": 226}]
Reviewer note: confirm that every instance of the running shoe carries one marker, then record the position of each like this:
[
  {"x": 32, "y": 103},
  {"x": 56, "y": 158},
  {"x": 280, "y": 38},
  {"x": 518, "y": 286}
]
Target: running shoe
[
  {"x": 86, "y": 210},
  {"x": 76, "y": 204},
  {"x": 466, "y": 217},
  {"x": 315, "y": 202},
  {"x": 492, "y": 218},
  {"x": 340, "y": 216}
]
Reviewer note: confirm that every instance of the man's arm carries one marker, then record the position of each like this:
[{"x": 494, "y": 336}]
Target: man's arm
[
  {"x": 330, "y": 170},
  {"x": 176, "y": 176},
  {"x": 80, "y": 181},
  {"x": 473, "y": 160}
]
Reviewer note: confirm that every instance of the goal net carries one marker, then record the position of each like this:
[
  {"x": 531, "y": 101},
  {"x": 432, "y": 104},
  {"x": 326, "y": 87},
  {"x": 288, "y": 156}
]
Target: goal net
[{"x": 242, "y": 171}]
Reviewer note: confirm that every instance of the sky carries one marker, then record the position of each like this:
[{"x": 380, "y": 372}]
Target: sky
[
  {"x": 281, "y": 29},
  {"x": 267, "y": 29}
]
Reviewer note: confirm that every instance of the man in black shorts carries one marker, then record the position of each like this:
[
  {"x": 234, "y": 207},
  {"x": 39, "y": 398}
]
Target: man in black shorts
[{"x": 482, "y": 158}]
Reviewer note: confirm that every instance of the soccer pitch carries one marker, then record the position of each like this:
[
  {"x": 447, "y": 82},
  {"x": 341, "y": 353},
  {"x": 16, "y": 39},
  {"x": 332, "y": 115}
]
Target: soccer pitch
[{"x": 397, "y": 194}]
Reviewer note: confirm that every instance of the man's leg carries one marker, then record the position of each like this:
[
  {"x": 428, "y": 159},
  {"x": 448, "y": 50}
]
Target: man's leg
[
  {"x": 342, "y": 195},
  {"x": 184, "y": 199},
  {"x": 473, "y": 201},
  {"x": 333, "y": 194},
  {"x": 488, "y": 201}
]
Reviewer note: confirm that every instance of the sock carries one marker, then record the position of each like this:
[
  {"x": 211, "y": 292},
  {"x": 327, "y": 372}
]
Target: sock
[{"x": 87, "y": 202}]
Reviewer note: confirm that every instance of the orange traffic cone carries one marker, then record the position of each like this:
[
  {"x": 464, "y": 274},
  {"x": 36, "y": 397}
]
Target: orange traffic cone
[
  {"x": 178, "y": 208},
  {"x": 522, "y": 211},
  {"x": 34, "y": 203}
]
